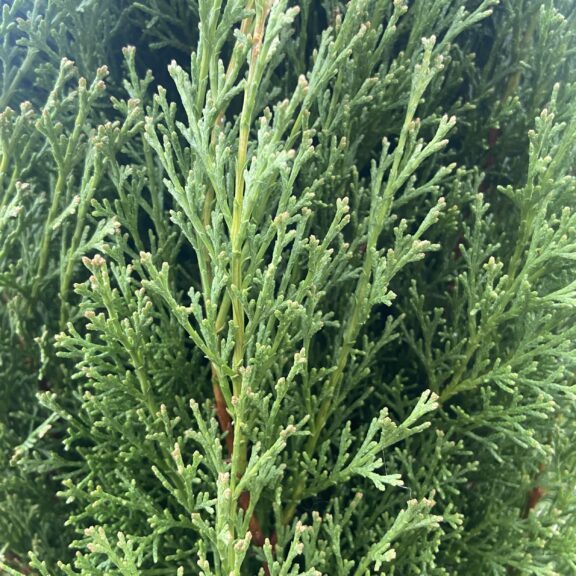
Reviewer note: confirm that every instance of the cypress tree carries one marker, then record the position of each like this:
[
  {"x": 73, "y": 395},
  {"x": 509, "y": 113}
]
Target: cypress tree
[{"x": 287, "y": 287}]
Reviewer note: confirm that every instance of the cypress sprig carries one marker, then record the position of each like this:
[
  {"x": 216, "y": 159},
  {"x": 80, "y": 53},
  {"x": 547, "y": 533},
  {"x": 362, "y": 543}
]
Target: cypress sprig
[{"x": 287, "y": 287}]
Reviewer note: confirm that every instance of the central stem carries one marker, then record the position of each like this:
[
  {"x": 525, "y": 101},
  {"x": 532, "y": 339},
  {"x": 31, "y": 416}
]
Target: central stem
[{"x": 240, "y": 448}]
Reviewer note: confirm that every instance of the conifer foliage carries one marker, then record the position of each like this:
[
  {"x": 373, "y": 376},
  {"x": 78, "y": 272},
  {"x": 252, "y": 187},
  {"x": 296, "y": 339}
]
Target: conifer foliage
[{"x": 287, "y": 288}]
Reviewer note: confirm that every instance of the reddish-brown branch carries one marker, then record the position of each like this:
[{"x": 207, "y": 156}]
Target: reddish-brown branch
[
  {"x": 222, "y": 414},
  {"x": 257, "y": 534},
  {"x": 534, "y": 497},
  {"x": 227, "y": 428}
]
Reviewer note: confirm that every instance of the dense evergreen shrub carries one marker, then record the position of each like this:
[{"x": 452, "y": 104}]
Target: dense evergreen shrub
[{"x": 287, "y": 287}]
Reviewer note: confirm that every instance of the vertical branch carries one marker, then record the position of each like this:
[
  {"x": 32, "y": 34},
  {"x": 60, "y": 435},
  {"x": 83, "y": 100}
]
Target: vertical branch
[
  {"x": 236, "y": 232},
  {"x": 382, "y": 199}
]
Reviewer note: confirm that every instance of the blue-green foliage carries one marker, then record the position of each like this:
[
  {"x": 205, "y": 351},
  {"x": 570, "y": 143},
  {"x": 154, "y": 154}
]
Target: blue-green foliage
[{"x": 287, "y": 287}]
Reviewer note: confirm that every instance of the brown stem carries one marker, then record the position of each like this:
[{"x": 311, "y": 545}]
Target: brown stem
[
  {"x": 226, "y": 426},
  {"x": 255, "y": 528},
  {"x": 222, "y": 414},
  {"x": 533, "y": 498},
  {"x": 534, "y": 495}
]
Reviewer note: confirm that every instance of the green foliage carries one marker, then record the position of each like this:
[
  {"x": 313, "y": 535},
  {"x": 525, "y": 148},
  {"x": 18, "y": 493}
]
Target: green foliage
[{"x": 287, "y": 287}]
